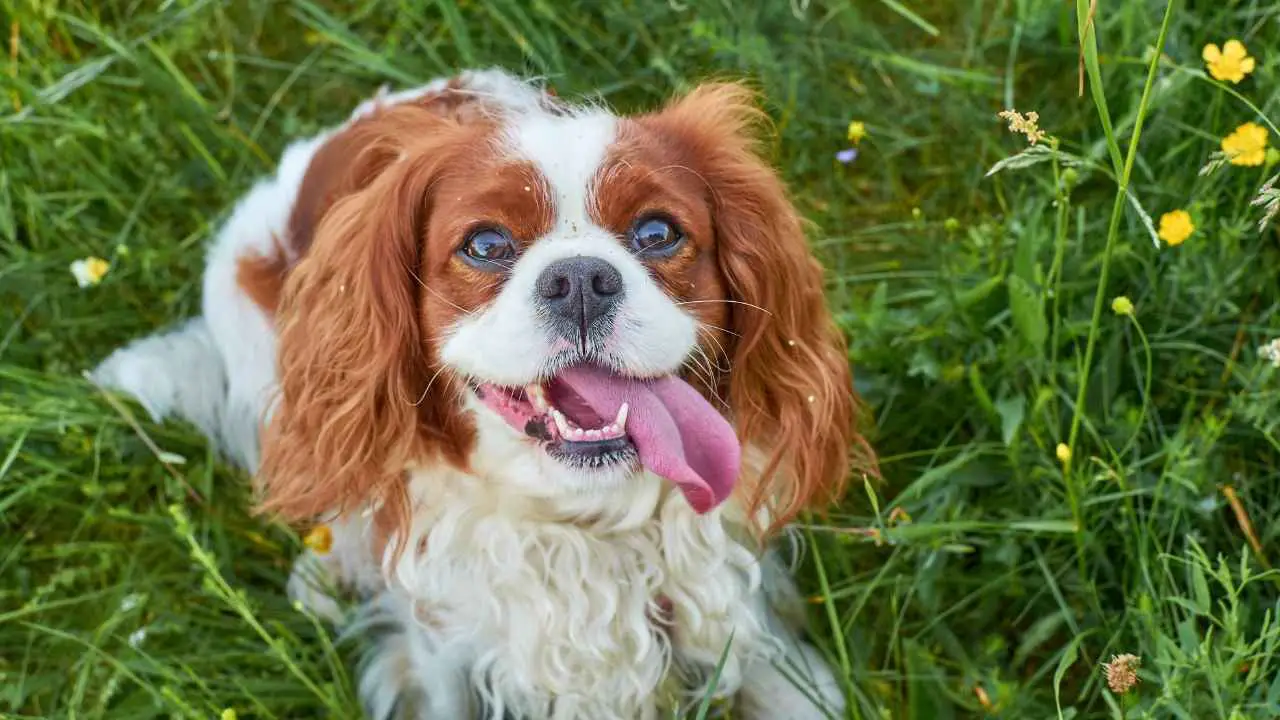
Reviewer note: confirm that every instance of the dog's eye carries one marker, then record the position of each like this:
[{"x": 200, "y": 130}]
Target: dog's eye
[
  {"x": 654, "y": 236},
  {"x": 488, "y": 249}
]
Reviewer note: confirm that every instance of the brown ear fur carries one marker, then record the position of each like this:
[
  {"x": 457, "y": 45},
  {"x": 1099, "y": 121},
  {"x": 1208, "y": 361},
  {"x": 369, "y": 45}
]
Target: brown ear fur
[
  {"x": 353, "y": 360},
  {"x": 790, "y": 388}
]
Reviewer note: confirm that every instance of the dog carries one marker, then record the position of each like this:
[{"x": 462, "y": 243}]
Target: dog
[{"x": 555, "y": 380}]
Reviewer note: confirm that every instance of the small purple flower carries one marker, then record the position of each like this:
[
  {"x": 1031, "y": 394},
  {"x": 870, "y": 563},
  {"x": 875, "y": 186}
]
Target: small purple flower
[{"x": 847, "y": 155}]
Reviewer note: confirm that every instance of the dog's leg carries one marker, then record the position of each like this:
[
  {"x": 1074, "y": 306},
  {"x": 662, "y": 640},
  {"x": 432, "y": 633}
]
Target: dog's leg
[
  {"x": 406, "y": 673},
  {"x": 173, "y": 373},
  {"x": 797, "y": 686},
  {"x": 797, "y": 683},
  {"x": 750, "y": 605}
]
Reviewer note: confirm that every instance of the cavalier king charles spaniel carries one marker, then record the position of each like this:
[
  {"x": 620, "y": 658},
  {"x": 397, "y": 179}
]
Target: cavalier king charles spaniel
[{"x": 554, "y": 379}]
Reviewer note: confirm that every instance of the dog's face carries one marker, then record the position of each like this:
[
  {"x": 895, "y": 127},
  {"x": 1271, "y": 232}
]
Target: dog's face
[
  {"x": 602, "y": 293},
  {"x": 576, "y": 293}
]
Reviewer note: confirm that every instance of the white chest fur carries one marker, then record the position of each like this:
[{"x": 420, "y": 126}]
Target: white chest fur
[{"x": 555, "y": 610}]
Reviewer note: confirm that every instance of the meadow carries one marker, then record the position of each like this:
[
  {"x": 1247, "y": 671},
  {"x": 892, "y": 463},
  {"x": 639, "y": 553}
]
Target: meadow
[{"x": 1067, "y": 363}]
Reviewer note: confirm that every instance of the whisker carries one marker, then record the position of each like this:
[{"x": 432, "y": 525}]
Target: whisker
[
  {"x": 730, "y": 302},
  {"x": 698, "y": 369},
  {"x": 696, "y": 365},
  {"x": 726, "y": 331},
  {"x": 435, "y": 292},
  {"x": 720, "y": 352},
  {"x": 427, "y": 389}
]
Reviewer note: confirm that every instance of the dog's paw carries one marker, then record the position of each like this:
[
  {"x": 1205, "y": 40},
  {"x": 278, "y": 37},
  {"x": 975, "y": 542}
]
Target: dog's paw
[
  {"x": 142, "y": 374},
  {"x": 175, "y": 373}
]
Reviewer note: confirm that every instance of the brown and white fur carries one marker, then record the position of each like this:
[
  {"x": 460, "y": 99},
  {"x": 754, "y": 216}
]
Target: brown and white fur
[{"x": 341, "y": 319}]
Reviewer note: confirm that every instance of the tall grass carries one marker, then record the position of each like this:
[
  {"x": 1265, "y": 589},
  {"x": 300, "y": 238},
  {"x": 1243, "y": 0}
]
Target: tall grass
[{"x": 983, "y": 577}]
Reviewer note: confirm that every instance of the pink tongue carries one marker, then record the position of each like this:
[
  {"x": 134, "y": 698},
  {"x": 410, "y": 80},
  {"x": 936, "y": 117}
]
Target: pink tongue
[{"x": 677, "y": 433}]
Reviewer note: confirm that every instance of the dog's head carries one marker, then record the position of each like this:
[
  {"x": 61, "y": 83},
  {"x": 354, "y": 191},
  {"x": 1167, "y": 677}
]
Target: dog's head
[{"x": 602, "y": 294}]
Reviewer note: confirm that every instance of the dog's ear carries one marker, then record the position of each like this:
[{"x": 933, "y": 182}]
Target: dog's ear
[
  {"x": 354, "y": 358},
  {"x": 790, "y": 388}
]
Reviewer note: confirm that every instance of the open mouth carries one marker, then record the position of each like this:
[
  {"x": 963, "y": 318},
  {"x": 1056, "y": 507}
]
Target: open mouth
[
  {"x": 591, "y": 417},
  {"x": 569, "y": 428}
]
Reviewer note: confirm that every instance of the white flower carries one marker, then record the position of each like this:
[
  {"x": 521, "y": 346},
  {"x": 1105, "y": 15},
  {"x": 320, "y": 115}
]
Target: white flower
[
  {"x": 1271, "y": 352},
  {"x": 1208, "y": 504},
  {"x": 137, "y": 636},
  {"x": 130, "y": 602},
  {"x": 89, "y": 271}
]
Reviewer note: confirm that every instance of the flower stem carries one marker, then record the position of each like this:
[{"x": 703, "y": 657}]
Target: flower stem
[{"x": 1070, "y": 476}]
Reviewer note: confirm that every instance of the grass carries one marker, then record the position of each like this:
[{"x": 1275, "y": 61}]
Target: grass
[{"x": 983, "y": 577}]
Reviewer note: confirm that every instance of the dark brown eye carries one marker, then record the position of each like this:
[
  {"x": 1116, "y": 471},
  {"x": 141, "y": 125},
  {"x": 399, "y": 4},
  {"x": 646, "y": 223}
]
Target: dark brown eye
[
  {"x": 490, "y": 249},
  {"x": 655, "y": 236}
]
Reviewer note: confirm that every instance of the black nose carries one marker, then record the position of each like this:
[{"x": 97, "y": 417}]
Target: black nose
[{"x": 577, "y": 292}]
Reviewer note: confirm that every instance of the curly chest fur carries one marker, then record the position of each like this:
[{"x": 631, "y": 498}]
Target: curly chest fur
[{"x": 585, "y": 618}]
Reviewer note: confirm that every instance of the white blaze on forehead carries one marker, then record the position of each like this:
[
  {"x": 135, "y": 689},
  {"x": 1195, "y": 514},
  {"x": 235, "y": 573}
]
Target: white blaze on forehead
[
  {"x": 508, "y": 343},
  {"x": 567, "y": 151}
]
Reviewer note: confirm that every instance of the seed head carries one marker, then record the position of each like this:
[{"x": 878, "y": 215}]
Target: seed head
[
  {"x": 1122, "y": 673},
  {"x": 1024, "y": 124}
]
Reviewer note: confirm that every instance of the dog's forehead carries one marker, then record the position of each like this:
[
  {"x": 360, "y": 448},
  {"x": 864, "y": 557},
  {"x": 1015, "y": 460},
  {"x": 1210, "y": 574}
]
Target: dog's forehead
[{"x": 567, "y": 151}]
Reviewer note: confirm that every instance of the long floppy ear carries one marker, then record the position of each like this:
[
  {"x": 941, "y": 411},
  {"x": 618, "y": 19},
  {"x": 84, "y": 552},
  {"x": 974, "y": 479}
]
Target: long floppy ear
[
  {"x": 353, "y": 360},
  {"x": 790, "y": 387}
]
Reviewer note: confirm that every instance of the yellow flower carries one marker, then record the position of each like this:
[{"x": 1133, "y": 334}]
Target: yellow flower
[
  {"x": 857, "y": 131},
  {"x": 1122, "y": 305},
  {"x": 1176, "y": 227},
  {"x": 898, "y": 515},
  {"x": 1230, "y": 63},
  {"x": 89, "y": 271},
  {"x": 1247, "y": 145},
  {"x": 228, "y": 714},
  {"x": 1064, "y": 453},
  {"x": 983, "y": 698},
  {"x": 320, "y": 539}
]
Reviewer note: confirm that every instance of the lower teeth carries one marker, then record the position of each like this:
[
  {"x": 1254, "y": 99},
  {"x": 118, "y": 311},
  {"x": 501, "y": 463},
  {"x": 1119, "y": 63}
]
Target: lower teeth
[{"x": 536, "y": 397}]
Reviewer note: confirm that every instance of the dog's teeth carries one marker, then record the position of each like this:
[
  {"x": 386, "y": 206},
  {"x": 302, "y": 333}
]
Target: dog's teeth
[
  {"x": 593, "y": 435},
  {"x": 621, "y": 421},
  {"x": 609, "y": 431},
  {"x": 536, "y": 398},
  {"x": 562, "y": 424}
]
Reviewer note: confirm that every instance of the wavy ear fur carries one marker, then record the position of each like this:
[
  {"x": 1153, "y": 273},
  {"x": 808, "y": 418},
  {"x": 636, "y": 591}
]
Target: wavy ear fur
[
  {"x": 790, "y": 388},
  {"x": 353, "y": 360}
]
